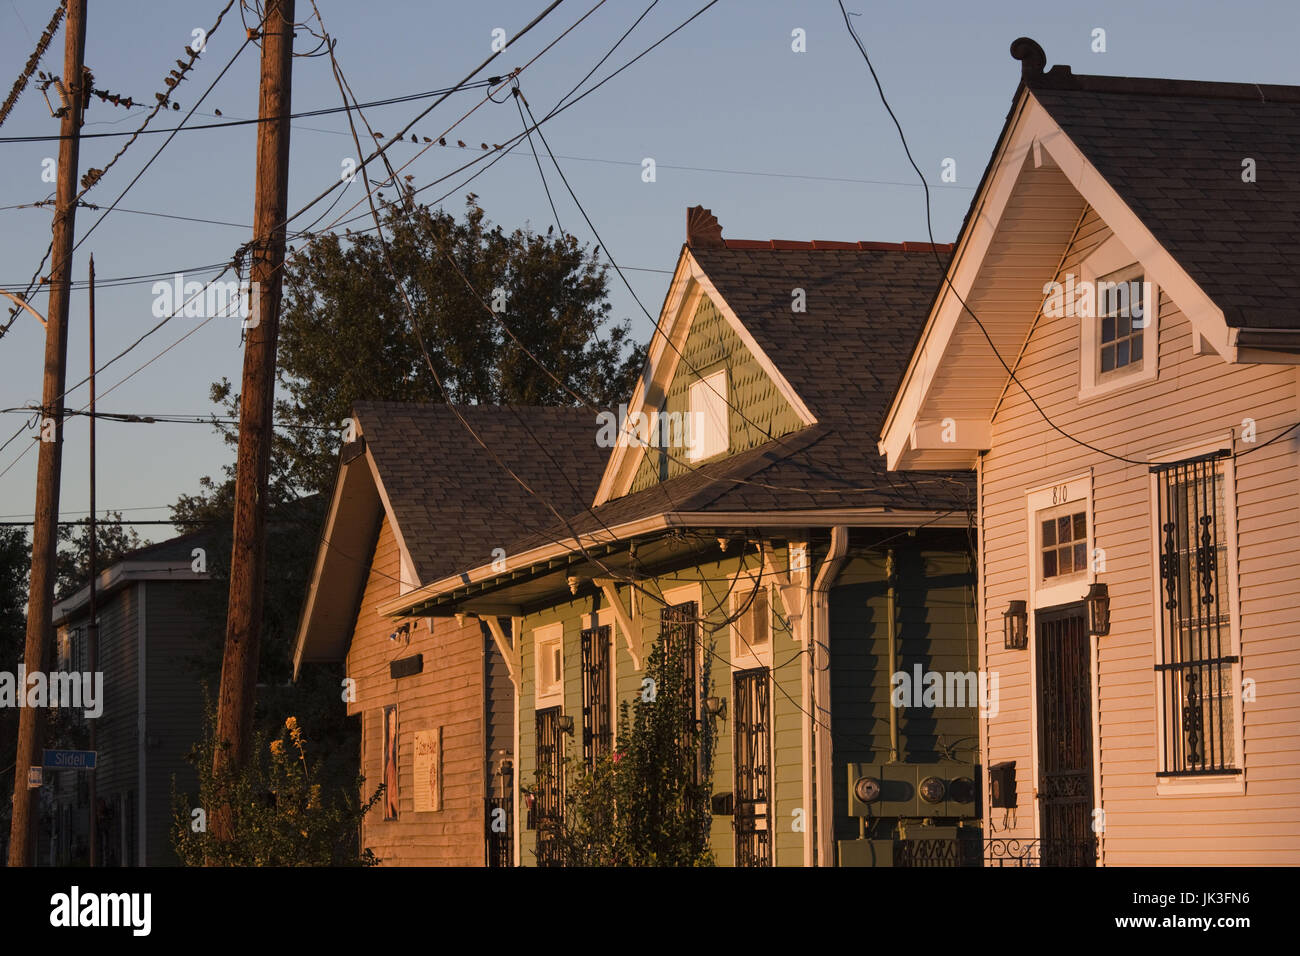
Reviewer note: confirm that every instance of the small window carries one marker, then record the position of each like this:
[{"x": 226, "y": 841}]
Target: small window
[
  {"x": 1063, "y": 544},
  {"x": 709, "y": 419},
  {"x": 751, "y": 628},
  {"x": 550, "y": 667},
  {"x": 1121, "y": 312}
]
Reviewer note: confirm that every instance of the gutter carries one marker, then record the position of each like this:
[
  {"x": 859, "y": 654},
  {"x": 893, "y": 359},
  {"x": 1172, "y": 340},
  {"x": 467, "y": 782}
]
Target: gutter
[
  {"x": 1272, "y": 340},
  {"x": 820, "y": 704}
]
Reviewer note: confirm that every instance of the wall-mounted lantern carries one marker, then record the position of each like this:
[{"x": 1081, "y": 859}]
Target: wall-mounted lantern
[
  {"x": 1015, "y": 626},
  {"x": 565, "y": 724},
  {"x": 716, "y": 707},
  {"x": 1097, "y": 601}
]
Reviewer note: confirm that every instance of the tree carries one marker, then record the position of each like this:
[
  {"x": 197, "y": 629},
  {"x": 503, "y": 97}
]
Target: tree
[
  {"x": 647, "y": 804},
  {"x": 15, "y": 558},
  {"x": 345, "y": 336}
]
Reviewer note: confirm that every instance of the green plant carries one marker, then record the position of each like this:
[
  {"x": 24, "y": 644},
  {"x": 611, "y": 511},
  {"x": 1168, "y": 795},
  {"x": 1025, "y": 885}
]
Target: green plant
[
  {"x": 281, "y": 816},
  {"x": 647, "y": 803}
]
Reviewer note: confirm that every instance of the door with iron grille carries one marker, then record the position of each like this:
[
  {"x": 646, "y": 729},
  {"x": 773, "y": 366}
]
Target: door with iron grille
[
  {"x": 1065, "y": 785},
  {"x": 548, "y": 806},
  {"x": 597, "y": 714},
  {"x": 753, "y": 773}
]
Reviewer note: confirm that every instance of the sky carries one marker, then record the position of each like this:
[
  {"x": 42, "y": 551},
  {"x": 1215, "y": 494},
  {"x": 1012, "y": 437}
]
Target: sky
[{"x": 777, "y": 142}]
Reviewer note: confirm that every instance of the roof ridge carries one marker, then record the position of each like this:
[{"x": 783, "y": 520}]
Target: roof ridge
[
  {"x": 1061, "y": 77},
  {"x": 796, "y": 245}
]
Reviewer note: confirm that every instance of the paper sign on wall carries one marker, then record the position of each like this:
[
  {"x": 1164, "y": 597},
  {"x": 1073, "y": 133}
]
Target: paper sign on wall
[{"x": 428, "y": 770}]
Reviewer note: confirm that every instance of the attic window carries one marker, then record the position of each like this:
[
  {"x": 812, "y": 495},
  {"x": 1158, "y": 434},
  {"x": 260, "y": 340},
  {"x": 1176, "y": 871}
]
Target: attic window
[{"x": 708, "y": 422}]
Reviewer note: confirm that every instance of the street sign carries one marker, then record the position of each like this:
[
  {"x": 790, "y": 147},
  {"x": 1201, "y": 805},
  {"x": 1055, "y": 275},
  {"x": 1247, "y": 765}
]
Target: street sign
[
  {"x": 34, "y": 778},
  {"x": 69, "y": 759}
]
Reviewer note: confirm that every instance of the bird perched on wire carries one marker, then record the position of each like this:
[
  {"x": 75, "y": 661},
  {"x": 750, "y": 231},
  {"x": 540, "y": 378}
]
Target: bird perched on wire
[{"x": 460, "y": 143}]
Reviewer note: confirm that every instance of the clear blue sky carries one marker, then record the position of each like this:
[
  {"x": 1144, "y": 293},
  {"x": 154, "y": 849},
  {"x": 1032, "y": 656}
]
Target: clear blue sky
[{"x": 727, "y": 96}]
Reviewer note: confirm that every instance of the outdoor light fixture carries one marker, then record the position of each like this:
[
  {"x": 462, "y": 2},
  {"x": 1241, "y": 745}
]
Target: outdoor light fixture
[
  {"x": 1015, "y": 626},
  {"x": 1097, "y": 601},
  {"x": 565, "y": 723},
  {"x": 716, "y": 706}
]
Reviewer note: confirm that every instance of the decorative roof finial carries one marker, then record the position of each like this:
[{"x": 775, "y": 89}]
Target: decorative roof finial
[
  {"x": 1031, "y": 56},
  {"x": 702, "y": 228}
]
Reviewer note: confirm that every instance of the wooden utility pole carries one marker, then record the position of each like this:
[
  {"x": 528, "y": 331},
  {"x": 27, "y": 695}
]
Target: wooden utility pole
[
  {"x": 40, "y": 600},
  {"x": 92, "y": 628},
  {"x": 248, "y": 549}
]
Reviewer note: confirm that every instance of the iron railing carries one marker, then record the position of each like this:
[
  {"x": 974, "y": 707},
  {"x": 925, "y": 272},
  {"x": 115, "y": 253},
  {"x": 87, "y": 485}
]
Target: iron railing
[
  {"x": 499, "y": 825},
  {"x": 996, "y": 852}
]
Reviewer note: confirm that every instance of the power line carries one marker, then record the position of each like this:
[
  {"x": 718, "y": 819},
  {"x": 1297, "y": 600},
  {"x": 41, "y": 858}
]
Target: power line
[{"x": 33, "y": 61}]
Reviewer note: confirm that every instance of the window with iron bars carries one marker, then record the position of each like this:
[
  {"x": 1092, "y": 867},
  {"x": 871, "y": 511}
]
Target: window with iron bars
[
  {"x": 597, "y": 710},
  {"x": 1195, "y": 667},
  {"x": 548, "y": 806}
]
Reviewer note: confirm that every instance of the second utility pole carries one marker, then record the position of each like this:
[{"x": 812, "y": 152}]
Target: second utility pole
[
  {"x": 257, "y": 392},
  {"x": 49, "y": 464}
]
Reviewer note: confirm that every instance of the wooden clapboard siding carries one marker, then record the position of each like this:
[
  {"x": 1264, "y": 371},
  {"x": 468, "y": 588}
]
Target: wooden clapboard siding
[
  {"x": 448, "y": 693},
  {"x": 1196, "y": 398}
]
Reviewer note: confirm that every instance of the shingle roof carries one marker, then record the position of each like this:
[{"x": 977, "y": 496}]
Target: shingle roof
[
  {"x": 866, "y": 304},
  {"x": 455, "y": 502},
  {"x": 1173, "y": 150}
]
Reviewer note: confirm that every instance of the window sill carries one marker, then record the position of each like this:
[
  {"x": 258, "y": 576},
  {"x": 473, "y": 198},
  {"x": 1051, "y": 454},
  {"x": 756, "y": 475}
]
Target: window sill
[
  {"x": 1119, "y": 383},
  {"x": 1210, "y": 785}
]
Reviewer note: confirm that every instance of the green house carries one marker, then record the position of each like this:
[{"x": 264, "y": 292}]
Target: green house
[{"x": 745, "y": 513}]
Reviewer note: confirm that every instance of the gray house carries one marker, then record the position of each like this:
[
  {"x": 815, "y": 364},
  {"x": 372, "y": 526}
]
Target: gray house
[{"x": 151, "y": 714}]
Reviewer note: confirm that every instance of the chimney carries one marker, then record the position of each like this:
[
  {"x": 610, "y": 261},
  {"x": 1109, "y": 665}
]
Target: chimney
[{"x": 702, "y": 228}]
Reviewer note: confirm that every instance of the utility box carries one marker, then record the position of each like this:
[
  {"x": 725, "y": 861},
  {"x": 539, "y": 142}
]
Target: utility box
[{"x": 946, "y": 789}]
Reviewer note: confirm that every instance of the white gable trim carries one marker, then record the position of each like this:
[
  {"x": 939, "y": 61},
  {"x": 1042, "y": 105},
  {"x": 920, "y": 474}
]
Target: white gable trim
[
  {"x": 689, "y": 286},
  {"x": 1032, "y": 131},
  {"x": 406, "y": 573}
]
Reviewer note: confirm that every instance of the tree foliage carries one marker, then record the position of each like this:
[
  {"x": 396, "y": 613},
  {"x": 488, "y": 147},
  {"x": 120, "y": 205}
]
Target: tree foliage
[
  {"x": 113, "y": 541},
  {"x": 282, "y": 814}
]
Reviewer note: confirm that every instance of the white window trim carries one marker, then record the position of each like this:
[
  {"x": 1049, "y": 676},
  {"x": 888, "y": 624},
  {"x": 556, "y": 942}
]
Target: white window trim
[
  {"x": 1211, "y": 784},
  {"x": 742, "y": 657},
  {"x": 1111, "y": 257},
  {"x": 542, "y": 636},
  {"x": 714, "y": 385},
  {"x": 1046, "y": 498}
]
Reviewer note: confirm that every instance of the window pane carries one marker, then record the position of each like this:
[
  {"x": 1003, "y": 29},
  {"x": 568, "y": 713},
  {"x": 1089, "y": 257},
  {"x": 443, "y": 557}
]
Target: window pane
[
  {"x": 1125, "y": 326},
  {"x": 1049, "y": 564},
  {"x": 1080, "y": 556},
  {"x": 1063, "y": 528},
  {"x": 1108, "y": 358},
  {"x": 1137, "y": 348},
  {"x": 1108, "y": 330},
  {"x": 1080, "y": 526},
  {"x": 1063, "y": 562},
  {"x": 1049, "y": 533}
]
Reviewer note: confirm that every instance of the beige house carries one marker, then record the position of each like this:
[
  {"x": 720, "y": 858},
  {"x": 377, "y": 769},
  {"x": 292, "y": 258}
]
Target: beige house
[
  {"x": 1115, "y": 355},
  {"x": 417, "y": 497}
]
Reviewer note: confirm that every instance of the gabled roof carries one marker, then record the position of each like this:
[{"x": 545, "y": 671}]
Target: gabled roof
[
  {"x": 449, "y": 500},
  {"x": 865, "y": 304},
  {"x": 1160, "y": 162},
  {"x": 1173, "y": 150}
]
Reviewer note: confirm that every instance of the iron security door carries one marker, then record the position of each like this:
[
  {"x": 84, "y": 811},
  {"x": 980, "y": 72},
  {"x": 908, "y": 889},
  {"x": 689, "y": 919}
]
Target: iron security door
[
  {"x": 1065, "y": 791},
  {"x": 753, "y": 797},
  {"x": 597, "y": 714}
]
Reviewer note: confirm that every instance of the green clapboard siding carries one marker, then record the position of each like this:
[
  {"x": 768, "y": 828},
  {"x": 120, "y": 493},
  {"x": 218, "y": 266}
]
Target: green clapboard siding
[
  {"x": 711, "y": 345},
  {"x": 713, "y": 580},
  {"x": 936, "y": 629}
]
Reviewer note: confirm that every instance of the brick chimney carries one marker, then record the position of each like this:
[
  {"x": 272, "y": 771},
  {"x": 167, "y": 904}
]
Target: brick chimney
[{"x": 702, "y": 228}]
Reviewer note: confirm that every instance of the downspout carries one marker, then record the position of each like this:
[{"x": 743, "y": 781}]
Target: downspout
[
  {"x": 821, "y": 701},
  {"x": 891, "y": 631},
  {"x": 516, "y": 642}
]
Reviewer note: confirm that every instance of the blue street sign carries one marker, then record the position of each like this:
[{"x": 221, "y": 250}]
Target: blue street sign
[{"x": 69, "y": 759}]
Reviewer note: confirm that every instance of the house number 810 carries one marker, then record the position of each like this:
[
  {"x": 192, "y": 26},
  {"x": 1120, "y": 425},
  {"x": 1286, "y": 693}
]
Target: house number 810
[{"x": 1060, "y": 493}]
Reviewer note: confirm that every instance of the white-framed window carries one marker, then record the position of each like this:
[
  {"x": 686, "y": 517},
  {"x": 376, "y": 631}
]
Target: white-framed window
[
  {"x": 1118, "y": 314},
  {"x": 751, "y": 625},
  {"x": 1064, "y": 559},
  {"x": 548, "y": 651},
  {"x": 708, "y": 418},
  {"x": 1197, "y": 621}
]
